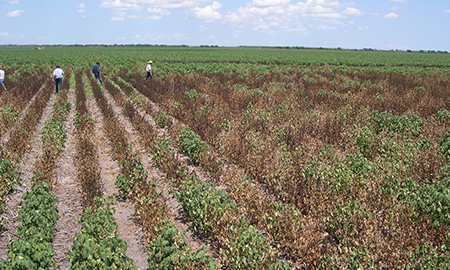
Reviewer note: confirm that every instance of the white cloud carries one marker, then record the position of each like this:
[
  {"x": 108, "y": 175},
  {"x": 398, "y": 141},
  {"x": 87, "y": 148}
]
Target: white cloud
[
  {"x": 208, "y": 13},
  {"x": 81, "y": 8},
  {"x": 14, "y": 2},
  {"x": 15, "y": 13},
  {"x": 161, "y": 7},
  {"x": 326, "y": 27},
  {"x": 158, "y": 11},
  {"x": 261, "y": 3},
  {"x": 363, "y": 27},
  {"x": 351, "y": 11},
  {"x": 267, "y": 15},
  {"x": 391, "y": 15},
  {"x": 144, "y": 4},
  {"x": 447, "y": 11},
  {"x": 4, "y": 34}
]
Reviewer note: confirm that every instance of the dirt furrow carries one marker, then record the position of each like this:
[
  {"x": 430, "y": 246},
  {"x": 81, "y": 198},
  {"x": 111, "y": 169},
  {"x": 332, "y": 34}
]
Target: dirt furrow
[
  {"x": 68, "y": 191},
  {"x": 26, "y": 173},
  {"x": 174, "y": 207},
  {"x": 124, "y": 214}
]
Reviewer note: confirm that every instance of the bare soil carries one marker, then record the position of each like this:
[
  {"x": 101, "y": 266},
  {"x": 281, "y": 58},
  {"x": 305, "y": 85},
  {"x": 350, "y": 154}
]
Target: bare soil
[
  {"x": 124, "y": 213},
  {"x": 68, "y": 191}
]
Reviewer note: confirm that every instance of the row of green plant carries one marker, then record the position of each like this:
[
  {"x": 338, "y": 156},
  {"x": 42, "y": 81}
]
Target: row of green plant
[
  {"x": 39, "y": 213},
  {"x": 97, "y": 245},
  {"x": 12, "y": 151},
  {"x": 34, "y": 248}
]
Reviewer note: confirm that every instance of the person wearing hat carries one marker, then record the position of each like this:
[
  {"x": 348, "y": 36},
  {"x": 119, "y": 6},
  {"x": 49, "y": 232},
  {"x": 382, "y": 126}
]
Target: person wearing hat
[
  {"x": 2, "y": 79},
  {"x": 96, "y": 71},
  {"x": 57, "y": 76},
  {"x": 149, "y": 70}
]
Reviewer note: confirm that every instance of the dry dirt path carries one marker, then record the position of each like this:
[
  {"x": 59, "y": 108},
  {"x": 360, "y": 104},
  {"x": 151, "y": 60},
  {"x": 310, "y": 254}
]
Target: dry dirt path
[
  {"x": 26, "y": 173},
  {"x": 124, "y": 213},
  {"x": 68, "y": 191}
]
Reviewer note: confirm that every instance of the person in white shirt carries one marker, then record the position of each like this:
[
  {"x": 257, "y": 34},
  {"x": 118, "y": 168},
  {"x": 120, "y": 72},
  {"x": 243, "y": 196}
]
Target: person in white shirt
[
  {"x": 2, "y": 79},
  {"x": 149, "y": 70},
  {"x": 57, "y": 76}
]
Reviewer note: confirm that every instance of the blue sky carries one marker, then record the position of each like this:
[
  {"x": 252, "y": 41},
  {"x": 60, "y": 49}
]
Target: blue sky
[{"x": 378, "y": 24}]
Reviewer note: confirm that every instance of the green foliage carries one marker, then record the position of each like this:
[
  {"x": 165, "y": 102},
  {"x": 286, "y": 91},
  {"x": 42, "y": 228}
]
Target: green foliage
[
  {"x": 8, "y": 117},
  {"x": 403, "y": 124},
  {"x": 347, "y": 220},
  {"x": 226, "y": 124},
  {"x": 249, "y": 250},
  {"x": 433, "y": 199},
  {"x": 161, "y": 119},
  {"x": 8, "y": 177},
  {"x": 126, "y": 184},
  {"x": 353, "y": 260},
  {"x": 443, "y": 115},
  {"x": 34, "y": 249},
  {"x": 444, "y": 145},
  {"x": 198, "y": 197},
  {"x": 97, "y": 245},
  {"x": 365, "y": 140},
  {"x": 170, "y": 251},
  {"x": 192, "y": 94},
  {"x": 427, "y": 257},
  {"x": 162, "y": 150},
  {"x": 54, "y": 134},
  {"x": 191, "y": 144},
  {"x": 60, "y": 111}
]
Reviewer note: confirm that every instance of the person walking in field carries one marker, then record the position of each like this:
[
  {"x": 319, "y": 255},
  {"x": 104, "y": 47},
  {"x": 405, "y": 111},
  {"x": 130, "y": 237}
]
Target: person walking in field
[
  {"x": 149, "y": 70},
  {"x": 2, "y": 79},
  {"x": 57, "y": 77},
  {"x": 96, "y": 71}
]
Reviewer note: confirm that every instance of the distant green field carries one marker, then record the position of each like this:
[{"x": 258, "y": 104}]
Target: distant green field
[{"x": 218, "y": 59}]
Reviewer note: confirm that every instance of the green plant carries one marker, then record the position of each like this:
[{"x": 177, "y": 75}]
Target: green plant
[
  {"x": 198, "y": 196},
  {"x": 8, "y": 117},
  {"x": 34, "y": 249},
  {"x": 250, "y": 250},
  {"x": 97, "y": 245},
  {"x": 126, "y": 184},
  {"x": 170, "y": 251},
  {"x": 427, "y": 257},
  {"x": 366, "y": 140},
  {"x": 192, "y": 94},
  {"x": 191, "y": 144},
  {"x": 161, "y": 119},
  {"x": 162, "y": 150}
]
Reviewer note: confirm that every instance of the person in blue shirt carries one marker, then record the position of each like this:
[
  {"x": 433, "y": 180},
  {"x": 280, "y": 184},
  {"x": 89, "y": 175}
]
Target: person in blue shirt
[{"x": 96, "y": 71}]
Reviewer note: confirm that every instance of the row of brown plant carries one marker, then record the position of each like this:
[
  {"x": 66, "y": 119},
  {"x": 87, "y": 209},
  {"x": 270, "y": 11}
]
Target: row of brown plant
[
  {"x": 19, "y": 95},
  {"x": 87, "y": 157},
  {"x": 301, "y": 136}
]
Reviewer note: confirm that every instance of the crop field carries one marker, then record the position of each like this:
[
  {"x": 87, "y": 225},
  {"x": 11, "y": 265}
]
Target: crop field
[{"x": 229, "y": 158}]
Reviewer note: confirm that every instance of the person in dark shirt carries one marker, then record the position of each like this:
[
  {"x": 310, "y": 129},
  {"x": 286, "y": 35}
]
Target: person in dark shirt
[{"x": 96, "y": 71}]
